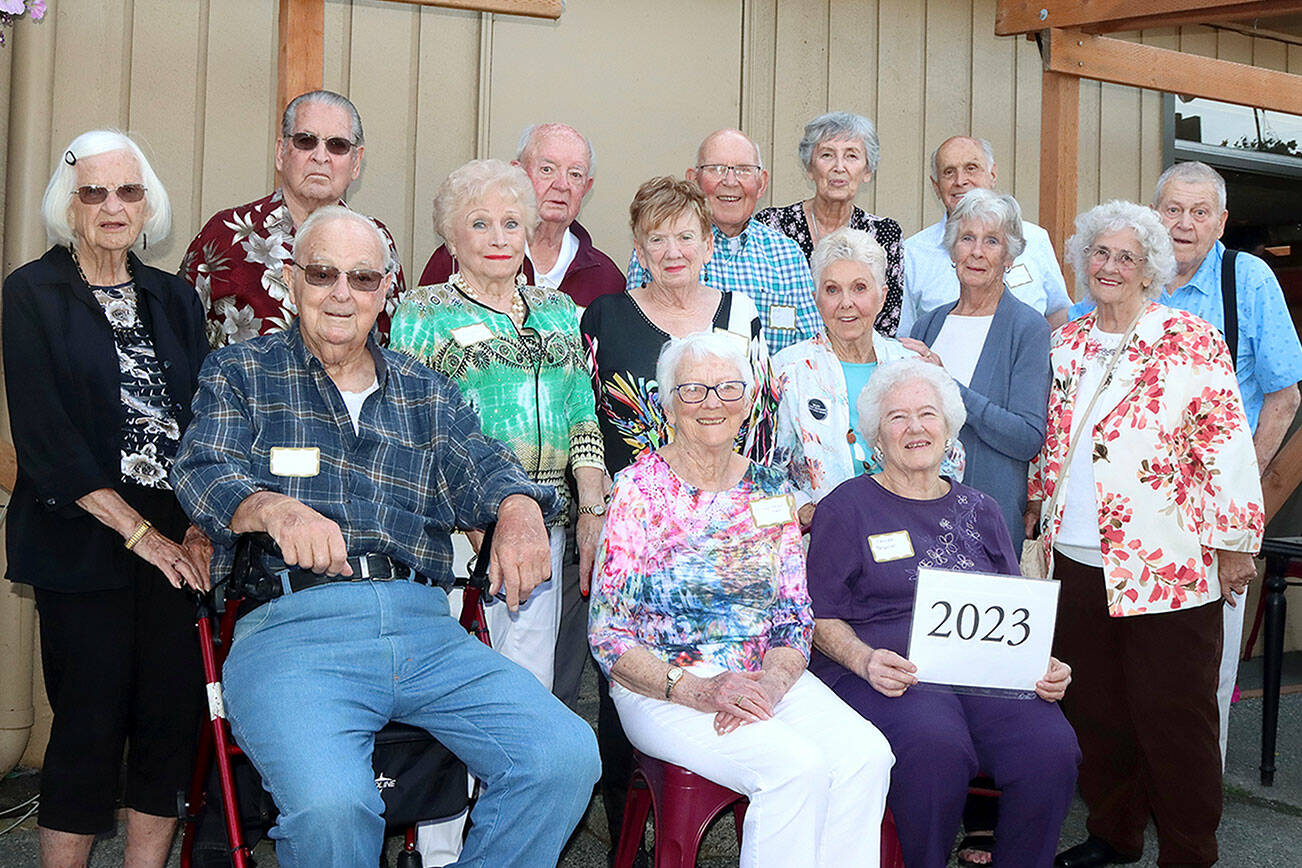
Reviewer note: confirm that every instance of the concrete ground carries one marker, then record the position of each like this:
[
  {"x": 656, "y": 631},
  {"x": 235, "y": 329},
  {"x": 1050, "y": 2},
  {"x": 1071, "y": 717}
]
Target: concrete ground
[{"x": 1261, "y": 827}]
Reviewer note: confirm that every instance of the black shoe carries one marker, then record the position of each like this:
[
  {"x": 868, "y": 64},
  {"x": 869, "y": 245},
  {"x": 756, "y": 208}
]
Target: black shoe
[{"x": 1091, "y": 854}]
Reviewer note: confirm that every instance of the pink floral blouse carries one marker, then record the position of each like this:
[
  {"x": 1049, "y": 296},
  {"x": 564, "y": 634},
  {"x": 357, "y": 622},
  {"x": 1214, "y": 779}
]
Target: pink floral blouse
[{"x": 1174, "y": 467}]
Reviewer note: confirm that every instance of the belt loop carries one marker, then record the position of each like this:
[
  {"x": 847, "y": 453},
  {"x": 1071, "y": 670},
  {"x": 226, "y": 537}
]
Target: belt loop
[{"x": 285, "y": 587}]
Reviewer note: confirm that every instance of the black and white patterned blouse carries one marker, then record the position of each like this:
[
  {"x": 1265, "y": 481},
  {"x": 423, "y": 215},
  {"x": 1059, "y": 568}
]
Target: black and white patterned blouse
[
  {"x": 790, "y": 221},
  {"x": 150, "y": 434}
]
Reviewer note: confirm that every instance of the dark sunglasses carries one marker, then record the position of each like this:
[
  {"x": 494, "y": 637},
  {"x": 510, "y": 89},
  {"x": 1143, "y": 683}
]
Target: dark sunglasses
[
  {"x": 336, "y": 145},
  {"x": 360, "y": 279},
  {"x": 93, "y": 194}
]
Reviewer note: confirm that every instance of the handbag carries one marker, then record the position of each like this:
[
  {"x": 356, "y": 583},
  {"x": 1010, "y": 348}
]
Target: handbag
[{"x": 1033, "y": 562}]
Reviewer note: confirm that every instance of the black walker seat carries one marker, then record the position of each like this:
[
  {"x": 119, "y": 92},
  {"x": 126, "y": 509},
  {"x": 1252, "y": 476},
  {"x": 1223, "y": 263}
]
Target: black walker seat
[{"x": 226, "y": 811}]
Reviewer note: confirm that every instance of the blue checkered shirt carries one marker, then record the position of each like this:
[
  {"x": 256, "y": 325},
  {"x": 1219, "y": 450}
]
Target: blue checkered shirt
[
  {"x": 766, "y": 266},
  {"x": 419, "y": 469}
]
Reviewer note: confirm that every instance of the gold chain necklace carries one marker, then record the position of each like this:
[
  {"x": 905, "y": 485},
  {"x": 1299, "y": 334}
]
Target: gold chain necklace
[{"x": 517, "y": 311}]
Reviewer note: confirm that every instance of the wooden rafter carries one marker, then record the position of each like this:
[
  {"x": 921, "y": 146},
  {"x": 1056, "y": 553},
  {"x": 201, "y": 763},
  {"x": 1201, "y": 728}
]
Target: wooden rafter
[
  {"x": 1110, "y": 16},
  {"x": 530, "y": 8}
]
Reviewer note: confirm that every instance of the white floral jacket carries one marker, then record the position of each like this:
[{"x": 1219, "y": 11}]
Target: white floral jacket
[
  {"x": 1174, "y": 466},
  {"x": 814, "y": 417}
]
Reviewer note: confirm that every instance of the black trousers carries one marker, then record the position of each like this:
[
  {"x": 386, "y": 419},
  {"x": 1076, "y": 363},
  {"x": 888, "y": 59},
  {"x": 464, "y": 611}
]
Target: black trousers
[{"x": 121, "y": 668}]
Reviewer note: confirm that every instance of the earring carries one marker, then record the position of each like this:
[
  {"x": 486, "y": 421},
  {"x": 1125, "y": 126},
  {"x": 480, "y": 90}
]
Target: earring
[
  {"x": 145, "y": 236},
  {"x": 878, "y": 457},
  {"x": 455, "y": 268},
  {"x": 953, "y": 264}
]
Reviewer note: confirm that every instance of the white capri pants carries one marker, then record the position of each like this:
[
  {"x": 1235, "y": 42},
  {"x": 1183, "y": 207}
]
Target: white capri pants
[{"x": 816, "y": 773}]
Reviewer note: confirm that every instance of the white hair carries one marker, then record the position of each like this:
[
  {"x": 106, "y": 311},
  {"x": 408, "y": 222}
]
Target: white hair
[
  {"x": 724, "y": 346},
  {"x": 840, "y": 125},
  {"x": 990, "y": 209},
  {"x": 1117, "y": 216},
  {"x": 855, "y": 245},
  {"x": 986, "y": 148},
  {"x": 331, "y": 213},
  {"x": 56, "y": 205},
  {"x": 534, "y": 130},
  {"x": 1192, "y": 172},
  {"x": 891, "y": 375}
]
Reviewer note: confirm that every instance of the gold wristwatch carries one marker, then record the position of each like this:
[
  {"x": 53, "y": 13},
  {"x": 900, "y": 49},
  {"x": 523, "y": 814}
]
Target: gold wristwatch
[
  {"x": 672, "y": 677},
  {"x": 599, "y": 509}
]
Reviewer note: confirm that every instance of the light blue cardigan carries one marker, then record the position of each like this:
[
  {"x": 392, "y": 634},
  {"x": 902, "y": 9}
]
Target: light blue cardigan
[{"x": 1006, "y": 403}]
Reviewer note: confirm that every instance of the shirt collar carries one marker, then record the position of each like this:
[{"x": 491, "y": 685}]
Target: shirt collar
[
  {"x": 1207, "y": 278},
  {"x": 309, "y": 362},
  {"x": 735, "y": 243}
]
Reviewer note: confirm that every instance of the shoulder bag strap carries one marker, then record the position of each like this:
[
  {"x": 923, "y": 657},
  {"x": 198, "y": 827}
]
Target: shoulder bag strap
[{"x": 1229, "y": 298}]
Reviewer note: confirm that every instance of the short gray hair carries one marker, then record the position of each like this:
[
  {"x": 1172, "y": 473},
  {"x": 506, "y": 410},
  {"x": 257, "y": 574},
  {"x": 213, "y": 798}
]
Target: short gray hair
[
  {"x": 475, "y": 180},
  {"x": 56, "y": 204},
  {"x": 840, "y": 125},
  {"x": 855, "y": 245},
  {"x": 530, "y": 132},
  {"x": 324, "y": 97},
  {"x": 1192, "y": 172},
  {"x": 332, "y": 213},
  {"x": 1116, "y": 216},
  {"x": 986, "y": 148},
  {"x": 990, "y": 209},
  {"x": 890, "y": 376},
  {"x": 725, "y": 346}
]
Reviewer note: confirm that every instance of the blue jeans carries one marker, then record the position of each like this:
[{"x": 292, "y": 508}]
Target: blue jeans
[{"x": 312, "y": 676}]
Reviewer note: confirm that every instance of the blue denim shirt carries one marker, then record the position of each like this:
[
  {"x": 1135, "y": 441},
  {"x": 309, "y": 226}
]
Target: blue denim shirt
[{"x": 419, "y": 468}]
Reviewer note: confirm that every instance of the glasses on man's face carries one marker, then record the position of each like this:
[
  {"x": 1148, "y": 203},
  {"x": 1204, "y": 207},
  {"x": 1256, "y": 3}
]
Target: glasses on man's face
[
  {"x": 694, "y": 393},
  {"x": 360, "y": 279},
  {"x": 718, "y": 171},
  {"x": 336, "y": 145},
  {"x": 1125, "y": 260},
  {"x": 93, "y": 194}
]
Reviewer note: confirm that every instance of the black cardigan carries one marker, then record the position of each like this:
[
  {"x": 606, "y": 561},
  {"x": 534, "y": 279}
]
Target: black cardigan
[{"x": 65, "y": 410}]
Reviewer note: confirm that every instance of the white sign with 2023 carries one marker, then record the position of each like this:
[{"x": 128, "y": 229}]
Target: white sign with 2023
[{"x": 983, "y": 631}]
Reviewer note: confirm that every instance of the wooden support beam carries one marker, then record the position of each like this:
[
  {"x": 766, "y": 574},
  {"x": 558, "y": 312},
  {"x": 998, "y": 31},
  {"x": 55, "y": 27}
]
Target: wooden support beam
[
  {"x": 1109, "y": 16},
  {"x": 1282, "y": 475},
  {"x": 531, "y": 8},
  {"x": 1059, "y": 158},
  {"x": 1103, "y": 58},
  {"x": 301, "y": 57},
  {"x": 8, "y": 466}
]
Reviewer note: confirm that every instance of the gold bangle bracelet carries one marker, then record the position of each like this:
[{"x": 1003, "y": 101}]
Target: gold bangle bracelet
[{"x": 138, "y": 534}]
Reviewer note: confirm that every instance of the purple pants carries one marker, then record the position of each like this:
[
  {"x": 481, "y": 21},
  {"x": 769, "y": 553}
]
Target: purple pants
[{"x": 942, "y": 740}]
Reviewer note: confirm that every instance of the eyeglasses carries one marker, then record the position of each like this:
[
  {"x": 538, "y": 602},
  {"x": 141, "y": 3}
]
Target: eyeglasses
[
  {"x": 718, "y": 171},
  {"x": 360, "y": 279},
  {"x": 1126, "y": 261},
  {"x": 694, "y": 393},
  {"x": 93, "y": 194},
  {"x": 336, "y": 145}
]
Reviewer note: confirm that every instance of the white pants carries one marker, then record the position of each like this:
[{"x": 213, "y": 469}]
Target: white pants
[
  {"x": 816, "y": 772},
  {"x": 1232, "y": 639},
  {"x": 527, "y": 637}
]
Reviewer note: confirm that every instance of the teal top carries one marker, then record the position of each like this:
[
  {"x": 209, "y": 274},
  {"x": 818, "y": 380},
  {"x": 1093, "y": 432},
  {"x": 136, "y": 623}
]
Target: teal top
[
  {"x": 856, "y": 377},
  {"x": 530, "y": 386}
]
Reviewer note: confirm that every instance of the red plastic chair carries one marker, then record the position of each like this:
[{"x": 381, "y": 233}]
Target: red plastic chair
[{"x": 684, "y": 804}]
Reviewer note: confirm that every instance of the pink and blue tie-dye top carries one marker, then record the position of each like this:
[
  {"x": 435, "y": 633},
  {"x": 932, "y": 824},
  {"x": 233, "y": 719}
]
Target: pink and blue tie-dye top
[{"x": 690, "y": 576}]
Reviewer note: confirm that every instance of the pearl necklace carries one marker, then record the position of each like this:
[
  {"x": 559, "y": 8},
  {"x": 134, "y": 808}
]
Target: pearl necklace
[
  {"x": 517, "y": 311},
  {"x": 131, "y": 274}
]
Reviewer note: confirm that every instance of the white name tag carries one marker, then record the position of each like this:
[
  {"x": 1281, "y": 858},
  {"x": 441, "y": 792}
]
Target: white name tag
[
  {"x": 890, "y": 546},
  {"x": 982, "y": 631},
  {"x": 782, "y": 316},
  {"x": 295, "y": 461},
  {"x": 771, "y": 511},
  {"x": 1018, "y": 275},
  {"x": 472, "y": 334}
]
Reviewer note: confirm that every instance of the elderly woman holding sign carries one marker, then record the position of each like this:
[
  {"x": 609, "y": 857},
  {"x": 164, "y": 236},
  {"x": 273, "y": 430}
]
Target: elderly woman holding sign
[{"x": 869, "y": 538}]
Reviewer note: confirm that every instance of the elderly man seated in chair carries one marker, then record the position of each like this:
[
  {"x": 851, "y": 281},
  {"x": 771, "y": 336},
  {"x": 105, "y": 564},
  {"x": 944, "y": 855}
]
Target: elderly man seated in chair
[{"x": 359, "y": 462}]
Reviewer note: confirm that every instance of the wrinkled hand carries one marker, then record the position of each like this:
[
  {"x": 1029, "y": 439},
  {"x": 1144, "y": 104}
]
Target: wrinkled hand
[
  {"x": 172, "y": 560},
  {"x": 306, "y": 538},
  {"x": 922, "y": 350},
  {"x": 198, "y": 548},
  {"x": 805, "y": 514},
  {"x": 1236, "y": 571},
  {"x": 1031, "y": 517},
  {"x": 888, "y": 672},
  {"x": 736, "y": 698},
  {"x": 1053, "y": 686},
  {"x": 586, "y": 534},
  {"x": 521, "y": 559}
]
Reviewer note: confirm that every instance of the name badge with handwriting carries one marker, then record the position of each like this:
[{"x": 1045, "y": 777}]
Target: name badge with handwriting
[
  {"x": 772, "y": 511},
  {"x": 782, "y": 316},
  {"x": 1018, "y": 275},
  {"x": 295, "y": 461},
  {"x": 472, "y": 334},
  {"x": 890, "y": 546}
]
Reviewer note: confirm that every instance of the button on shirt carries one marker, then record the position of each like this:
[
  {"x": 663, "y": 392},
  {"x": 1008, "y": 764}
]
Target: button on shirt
[
  {"x": 1269, "y": 356},
  {"x": 770, "y": 269},
  {"x": 418, "y": 469},
  {"x": 930, "y": 279}
]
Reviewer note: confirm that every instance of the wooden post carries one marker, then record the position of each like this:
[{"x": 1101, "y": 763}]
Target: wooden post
[
  {"x": 1059, "y": 158},
  {"x": 301, "y": 57}
]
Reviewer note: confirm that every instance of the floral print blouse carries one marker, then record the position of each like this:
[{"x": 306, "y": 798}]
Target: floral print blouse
[
  {"x": 690, "y": 576},
  {"x": 1174, "y": 467}
]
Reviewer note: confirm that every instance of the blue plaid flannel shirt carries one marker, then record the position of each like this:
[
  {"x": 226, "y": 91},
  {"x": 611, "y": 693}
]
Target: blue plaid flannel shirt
[
  {"x": 766, "y": 266},
  {"x": 419, "y": 469}
]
